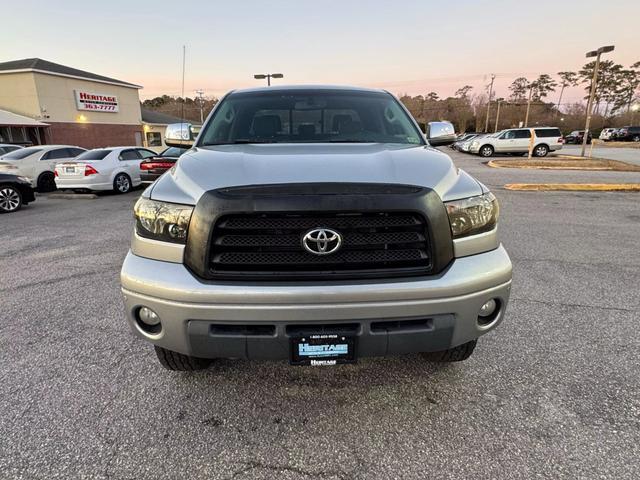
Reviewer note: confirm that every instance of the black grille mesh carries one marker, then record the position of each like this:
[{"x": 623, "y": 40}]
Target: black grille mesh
[{"x": 270, "y": 245}]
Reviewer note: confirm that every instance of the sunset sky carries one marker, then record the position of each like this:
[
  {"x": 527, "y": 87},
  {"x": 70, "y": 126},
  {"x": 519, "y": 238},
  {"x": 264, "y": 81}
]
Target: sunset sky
[{"x": 405, "y": 46}]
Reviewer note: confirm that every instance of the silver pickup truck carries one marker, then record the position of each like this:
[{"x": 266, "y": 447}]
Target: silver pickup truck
[{"x": 315, "y": 225}]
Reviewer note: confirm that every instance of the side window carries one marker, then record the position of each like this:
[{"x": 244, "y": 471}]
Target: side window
[
  {"x": 128, "y": 155},
  {"x": 146, "y": 153},
  {"x": 74, "y": 152},
  {"x": 56, "y": 154},
  {"x": 547, "y": 132},
  {"x": 523, "y": 134},
  {"x": 510, "y": 135}
]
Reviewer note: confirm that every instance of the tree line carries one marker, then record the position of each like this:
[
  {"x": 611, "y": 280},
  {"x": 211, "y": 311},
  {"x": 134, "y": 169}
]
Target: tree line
[
  {"x": 187, "y": 108},
  {"x": 616, "y": 93}
]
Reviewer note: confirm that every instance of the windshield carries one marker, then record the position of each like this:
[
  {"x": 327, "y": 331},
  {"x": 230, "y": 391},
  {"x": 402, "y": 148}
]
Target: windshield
[
  {"x": 93, "y": 155},
  {"x": 21, "y": 153},
  {"x": 310, "y": 116}
]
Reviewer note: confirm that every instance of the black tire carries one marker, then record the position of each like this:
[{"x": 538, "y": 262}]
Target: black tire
[
  {"x": 486, "y": 151},
  {"x": 455, "y": 354},
  {"x": 636, "y": 138},
  {"x": 10, "y": 199},
  {"x": 46, "y": 182},
  {"x": 178, "y": 362},
  {"x": 122, "y": 183},
  {"x": 540, "y": 151}
]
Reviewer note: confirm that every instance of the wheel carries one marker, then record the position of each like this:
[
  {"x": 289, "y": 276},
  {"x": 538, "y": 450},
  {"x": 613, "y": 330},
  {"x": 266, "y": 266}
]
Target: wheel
[
  {"x": 486, "y": 151},
  {"x": 540, "y": 151},
  {"x": 179, "y": 362},
  {"x": 46, "y": 182},
  {"x": 455, "y": 354},
  {"x": 10, "y": 199},
  {"x": 636, "y": 138},
  {"x": 122, "y": 183}
]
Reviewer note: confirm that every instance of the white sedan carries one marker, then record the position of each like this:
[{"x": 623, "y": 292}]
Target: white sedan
[
  {"x": 116, "y": 168},
  {"x": 37, "y": 163}
]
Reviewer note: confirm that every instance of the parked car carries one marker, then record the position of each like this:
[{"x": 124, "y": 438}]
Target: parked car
[
  {"x": 628, "y": 134},
  {"x": 114, "y": 168},
  {"x": 38, "y": 163},
  {"x": 607, "y": 133},
  {"x": 285, "y": 234},
  {"x": 15, "y": 191},
  {"x": 463, "y": 138},
  {"x": 155, "y": 166},
  {"x": 577, "y": 137},
  {"x": 464, "y": 143},
  {"x": 517, "y": 140},
  {"x": 7, "y": 147}
]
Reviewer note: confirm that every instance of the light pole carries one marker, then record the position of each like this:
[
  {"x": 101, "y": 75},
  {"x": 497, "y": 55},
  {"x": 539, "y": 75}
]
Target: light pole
[
  {"x": 526, "y": 117},
  {"x": 594, "y": 82},
  {"x": 634, "y": 108},
  {"x": 200, "y": 93},
  {"x": 499, "y": 101},
  {"x": 486, "y": 123},
  {"x": 268, "y": 76}
]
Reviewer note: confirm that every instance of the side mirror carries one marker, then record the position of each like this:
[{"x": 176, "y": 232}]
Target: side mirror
[
  {"x": 180, "y": 134},
  {"x": 440, "y": 133}
]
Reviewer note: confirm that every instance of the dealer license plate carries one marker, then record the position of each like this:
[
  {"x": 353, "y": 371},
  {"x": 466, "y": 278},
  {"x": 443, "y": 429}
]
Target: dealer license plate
[{"x": 323, "y": 349}]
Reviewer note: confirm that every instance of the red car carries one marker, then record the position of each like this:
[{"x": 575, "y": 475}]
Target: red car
[{"x": 152, "y": 167}]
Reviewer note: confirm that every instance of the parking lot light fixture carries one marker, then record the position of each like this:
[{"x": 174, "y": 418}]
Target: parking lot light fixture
[
  {"x": 268, "y": 76},
  {"x": 594, "y": 82}
]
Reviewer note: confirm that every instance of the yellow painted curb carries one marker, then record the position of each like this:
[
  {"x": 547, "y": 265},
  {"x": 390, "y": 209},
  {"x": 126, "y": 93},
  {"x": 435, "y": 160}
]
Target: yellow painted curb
[
  {"x": 575, "y": 187},
  {"x": 547, "y": 167}
]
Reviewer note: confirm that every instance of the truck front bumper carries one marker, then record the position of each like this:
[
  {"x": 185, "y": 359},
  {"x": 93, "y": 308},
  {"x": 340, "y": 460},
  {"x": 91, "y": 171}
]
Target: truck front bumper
[{"x": 257, "y": 320}]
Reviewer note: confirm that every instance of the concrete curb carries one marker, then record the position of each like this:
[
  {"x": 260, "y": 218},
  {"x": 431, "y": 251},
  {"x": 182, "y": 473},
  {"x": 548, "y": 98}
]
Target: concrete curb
[
  {"x": 632, "y": 167},
  {"x": 574, "y": 187},
  {"x": 73, "y": 196}
]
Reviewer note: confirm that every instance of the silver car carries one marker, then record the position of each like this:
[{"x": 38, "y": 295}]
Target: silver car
[{"x": 316, "y": 225}]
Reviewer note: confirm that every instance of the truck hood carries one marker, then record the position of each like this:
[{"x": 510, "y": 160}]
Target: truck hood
[{"x": 208, "y": 168}]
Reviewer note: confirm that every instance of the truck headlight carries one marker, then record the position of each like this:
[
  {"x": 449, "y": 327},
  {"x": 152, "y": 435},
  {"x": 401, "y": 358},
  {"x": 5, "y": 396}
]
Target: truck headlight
[
  {"x": 473, "y": 215},
  {"x": 167, "y": 222}
]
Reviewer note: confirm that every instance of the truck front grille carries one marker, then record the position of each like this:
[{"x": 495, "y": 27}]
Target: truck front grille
[{"x": 374, "y": 244}]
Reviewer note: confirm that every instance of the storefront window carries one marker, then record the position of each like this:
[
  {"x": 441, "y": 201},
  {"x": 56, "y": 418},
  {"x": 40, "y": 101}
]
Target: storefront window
[{"x": 154, "y": 139}]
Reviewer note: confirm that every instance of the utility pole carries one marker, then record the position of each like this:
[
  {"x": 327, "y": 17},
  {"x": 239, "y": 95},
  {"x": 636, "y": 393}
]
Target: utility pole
[
  {"x": 486, "y": 123},
  {"x": 594, "y": 82},
  {"x": 526, "y": 117},
  {"x": 499, "y": 100},
  {"x": 268, "y": 76},
  {"x": 200, "y": 93}
]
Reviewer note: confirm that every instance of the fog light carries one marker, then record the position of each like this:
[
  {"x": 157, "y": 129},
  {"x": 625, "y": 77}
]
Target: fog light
[
  {"x": 148, "y": 317},
  {"x": 488, "y": 308}
]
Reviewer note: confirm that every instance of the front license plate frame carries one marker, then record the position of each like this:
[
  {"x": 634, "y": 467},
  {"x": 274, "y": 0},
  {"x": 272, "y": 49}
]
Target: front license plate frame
[{"x": 323, "y": 349}]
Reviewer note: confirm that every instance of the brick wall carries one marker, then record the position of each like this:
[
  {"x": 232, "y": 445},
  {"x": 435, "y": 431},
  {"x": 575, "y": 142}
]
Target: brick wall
[{"x": 93, "y": 135}]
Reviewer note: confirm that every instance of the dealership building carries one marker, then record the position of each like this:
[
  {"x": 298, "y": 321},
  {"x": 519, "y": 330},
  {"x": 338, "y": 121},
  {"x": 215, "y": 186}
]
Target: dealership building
[{"x": 70, "y": 106}]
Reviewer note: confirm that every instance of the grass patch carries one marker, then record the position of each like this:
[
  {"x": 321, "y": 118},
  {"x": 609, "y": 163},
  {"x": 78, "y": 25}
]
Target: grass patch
[{"x": 567, "y": 163}]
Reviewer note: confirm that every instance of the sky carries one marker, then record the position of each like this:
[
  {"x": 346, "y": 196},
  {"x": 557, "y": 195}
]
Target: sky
[{"x": 404, "y": 46}]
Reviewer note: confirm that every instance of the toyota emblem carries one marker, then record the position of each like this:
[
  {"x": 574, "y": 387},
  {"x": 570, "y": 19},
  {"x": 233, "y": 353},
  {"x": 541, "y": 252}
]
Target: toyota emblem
[{"x": 322, "y": 241}]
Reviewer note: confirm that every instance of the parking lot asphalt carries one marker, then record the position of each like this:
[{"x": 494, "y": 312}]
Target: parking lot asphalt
[
  {"x": 554, "y": 392},
  {"x": 629, "y": 155}
]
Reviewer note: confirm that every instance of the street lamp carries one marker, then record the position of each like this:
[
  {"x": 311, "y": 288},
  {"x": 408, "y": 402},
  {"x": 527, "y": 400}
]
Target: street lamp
[
  {"x": 268, "y": 76},
  {"x": 594, "y": 81}
]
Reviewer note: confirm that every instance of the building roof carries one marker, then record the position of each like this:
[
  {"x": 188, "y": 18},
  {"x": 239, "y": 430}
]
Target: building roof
[
  {"x": 151, "y": 116},
  {"x": 44, "y": 66},
  {"x": 15, "y": 120}
]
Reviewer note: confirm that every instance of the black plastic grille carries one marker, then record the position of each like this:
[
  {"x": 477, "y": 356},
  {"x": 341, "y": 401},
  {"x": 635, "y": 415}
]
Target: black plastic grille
[{"x": 270, "y": 245}]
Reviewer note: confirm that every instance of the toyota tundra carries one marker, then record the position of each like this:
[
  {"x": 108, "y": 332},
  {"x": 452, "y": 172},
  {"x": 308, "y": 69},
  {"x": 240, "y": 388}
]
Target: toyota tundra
[{"x": 316, "y": 225}]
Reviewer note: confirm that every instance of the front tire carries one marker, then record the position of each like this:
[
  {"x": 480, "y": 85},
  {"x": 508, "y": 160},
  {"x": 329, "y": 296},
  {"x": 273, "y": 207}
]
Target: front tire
[
  {"x": 10, "y": 199},
  {"x": 46, "y": 182},
  {"x": 540, "y": 151},
  {"x": 455, "y": 354},
  {"x": 178, "y": 362},
  {"x": 486, "y": 151},
  {"x": 122, "y": 183},
  {"x": 636, "y": 138}
]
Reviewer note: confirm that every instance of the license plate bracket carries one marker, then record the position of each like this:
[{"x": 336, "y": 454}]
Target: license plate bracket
[{"x": 323, "y": 348}]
